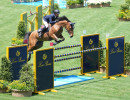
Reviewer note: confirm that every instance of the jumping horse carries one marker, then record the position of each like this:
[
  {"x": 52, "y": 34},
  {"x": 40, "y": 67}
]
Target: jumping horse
[{"x": 54, "y": 33}]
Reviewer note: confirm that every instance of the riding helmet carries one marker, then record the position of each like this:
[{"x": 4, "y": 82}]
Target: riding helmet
[{"x": 57, "y": 11}]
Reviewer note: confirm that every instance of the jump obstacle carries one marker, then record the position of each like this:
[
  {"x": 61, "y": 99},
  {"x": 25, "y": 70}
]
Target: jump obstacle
[
  {"x": 43, "y": 60},
  {"x": 37, "y": 16}
]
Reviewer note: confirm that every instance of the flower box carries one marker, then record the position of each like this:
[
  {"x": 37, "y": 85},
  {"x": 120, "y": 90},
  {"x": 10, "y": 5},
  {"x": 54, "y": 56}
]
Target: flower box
[
  {"x": 21, "y": 93},
  {"x": 70, "y": 6},
  {"x": 102, "y": 69},
  {"x": 127, "y": 72},
  {"x": 105, "y": 5},
  {"x": 124, "y": 19},
  {"x": 98, "y": 3},
  {"x": 79, "y": 5},
  {"x": 3, "y": 83},
  {"x": 94, "y": 6},
  {"x": 3, "y": 90}
]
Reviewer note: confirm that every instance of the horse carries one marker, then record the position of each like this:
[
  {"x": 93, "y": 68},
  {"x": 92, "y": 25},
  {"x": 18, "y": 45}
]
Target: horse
[{"x": 54, "y": 33}]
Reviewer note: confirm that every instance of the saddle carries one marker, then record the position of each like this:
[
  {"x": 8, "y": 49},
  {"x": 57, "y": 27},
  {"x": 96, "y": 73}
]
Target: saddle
[{"x": 42, "y": 29}]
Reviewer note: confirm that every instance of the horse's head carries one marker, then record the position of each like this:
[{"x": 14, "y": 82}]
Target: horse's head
[{"x": 70, "y": 28}]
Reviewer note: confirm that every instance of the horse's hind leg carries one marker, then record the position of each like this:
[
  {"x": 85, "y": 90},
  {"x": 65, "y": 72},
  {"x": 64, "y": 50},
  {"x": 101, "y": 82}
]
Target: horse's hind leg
[
  {"x": 34, "y": 48},
  {"x": 32, "y": 44},
  {"x": 62, "y": 38},
  {"x": 37, "y": 45}
]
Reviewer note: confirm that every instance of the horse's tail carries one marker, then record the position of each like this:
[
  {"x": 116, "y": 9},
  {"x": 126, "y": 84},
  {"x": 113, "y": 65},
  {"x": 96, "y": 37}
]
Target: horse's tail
[{"x": 26, "y": 38}]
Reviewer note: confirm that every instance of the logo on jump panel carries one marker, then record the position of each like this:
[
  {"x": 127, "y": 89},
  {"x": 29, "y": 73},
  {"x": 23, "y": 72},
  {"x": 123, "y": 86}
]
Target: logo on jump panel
[
  {"x": 90, "y": 41},
  {"x": 44, "y": 56},
  {"x": 18, "y": 53},
  {"x": 116, "y": 44}
]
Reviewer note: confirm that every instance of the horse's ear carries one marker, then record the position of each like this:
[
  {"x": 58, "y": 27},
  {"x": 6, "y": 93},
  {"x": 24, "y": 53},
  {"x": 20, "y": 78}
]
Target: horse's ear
[{"x": 72, "y": 23}]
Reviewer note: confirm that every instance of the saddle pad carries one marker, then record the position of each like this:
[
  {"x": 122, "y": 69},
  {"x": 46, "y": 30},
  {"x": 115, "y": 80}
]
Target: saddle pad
[{"x": 70, "y": 80}]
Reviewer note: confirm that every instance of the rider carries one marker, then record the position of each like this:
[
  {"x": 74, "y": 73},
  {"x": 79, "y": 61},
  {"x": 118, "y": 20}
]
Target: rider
[{"x": 49, "y": 19}]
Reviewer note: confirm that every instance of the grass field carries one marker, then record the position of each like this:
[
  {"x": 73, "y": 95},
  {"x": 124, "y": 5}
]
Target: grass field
[{"x": 97, "y": 20}]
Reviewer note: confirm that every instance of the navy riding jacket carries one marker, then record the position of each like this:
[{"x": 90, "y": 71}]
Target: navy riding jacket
[{"x": 50, "y": 18}]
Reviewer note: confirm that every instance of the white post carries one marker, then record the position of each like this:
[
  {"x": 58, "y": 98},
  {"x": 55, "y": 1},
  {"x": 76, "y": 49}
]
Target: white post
[{"x": 43, "y": 2}]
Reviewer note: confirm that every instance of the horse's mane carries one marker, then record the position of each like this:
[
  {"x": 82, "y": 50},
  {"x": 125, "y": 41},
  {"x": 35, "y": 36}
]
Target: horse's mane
[{"x": 63, "y": 18}]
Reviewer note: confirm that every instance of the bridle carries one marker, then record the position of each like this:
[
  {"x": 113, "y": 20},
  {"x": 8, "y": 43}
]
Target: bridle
[{"x": 72, "y": 26}]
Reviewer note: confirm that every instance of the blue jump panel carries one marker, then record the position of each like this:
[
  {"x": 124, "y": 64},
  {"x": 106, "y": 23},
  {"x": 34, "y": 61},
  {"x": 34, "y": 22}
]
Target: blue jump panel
[
  {"x": 115, "y": 56},
  {"x": 70, "y": 80},
  {"x": 18, "y": 56},
  {"x": 90, "y": 59},
  {"x": 43, "y": 69}
]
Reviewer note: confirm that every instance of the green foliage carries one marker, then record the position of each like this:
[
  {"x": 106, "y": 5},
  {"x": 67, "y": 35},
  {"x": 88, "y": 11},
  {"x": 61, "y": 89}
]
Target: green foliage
[
  {"x": 21, "y": 30},
  {"x": 124, "y": 14},
  {"x": 4, "y": 84},
  {"x": 17, "y": 41},
  {"x": 127, "y": 54},
  {"x": 5, "y": 69},
  {"x": 124, "y": 11},
  {"x": 124, "y": 7},
  {"x": 16, "y": 84},
  {"x": 79, "y": 1},
  {"x": 56, "y": 6},
  {"x": 120, "y": 15},
  {"x": 127, "y": 67},
  {"x": 102, "y": 58},
  {"x": 26, "y": 81},
  {"x": 71, "y": 2},
  {"x": 26, "y": 75},
  {"x": 128, "y": 2}
]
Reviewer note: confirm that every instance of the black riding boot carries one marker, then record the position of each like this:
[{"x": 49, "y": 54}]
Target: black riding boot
[{"x": 41, "y": 32}]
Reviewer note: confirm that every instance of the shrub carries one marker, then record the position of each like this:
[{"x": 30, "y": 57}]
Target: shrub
[
  {"x": 102, "y": 58},
  {"x": 128, "y": 2},
  {"x": 124, "y": 7},
  {"x": 124, "y": 11},
  {"x": 26, "y": 75},
  {"x": 26, "y": 81},
  {"x": 56, "y": 6},
  {"x": 5, "y": 69},
  {"x": 71, "y": 2},
  {"x": 127, "y": 54},
  {"x": 21, "y": 30},
  {"x": 79, "y": 1}
]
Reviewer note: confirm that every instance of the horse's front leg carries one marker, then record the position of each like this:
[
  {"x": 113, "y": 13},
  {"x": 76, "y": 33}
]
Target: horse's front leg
[
  {"x": 62, "y": 38},
  {"x": 56, "y": 39}
]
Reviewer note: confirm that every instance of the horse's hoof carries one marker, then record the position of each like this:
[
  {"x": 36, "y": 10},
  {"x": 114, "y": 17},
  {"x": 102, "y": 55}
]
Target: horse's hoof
[
  {"x": 58, "y": 41},
  {"x": 54, "y": 44},
  {"x": 63, "y": 40}
]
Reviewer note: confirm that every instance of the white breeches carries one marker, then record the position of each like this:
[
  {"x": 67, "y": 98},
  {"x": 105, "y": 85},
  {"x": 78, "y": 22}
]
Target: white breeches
[{"x": 46, "y": 24}]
